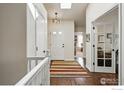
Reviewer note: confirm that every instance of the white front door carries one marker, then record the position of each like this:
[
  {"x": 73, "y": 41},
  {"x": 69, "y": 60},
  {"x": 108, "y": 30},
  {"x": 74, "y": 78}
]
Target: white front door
[
  {"x": 40, "y": 37},
  {"x": 57, "y": 45},
  {"x": 104, "y": 58}
]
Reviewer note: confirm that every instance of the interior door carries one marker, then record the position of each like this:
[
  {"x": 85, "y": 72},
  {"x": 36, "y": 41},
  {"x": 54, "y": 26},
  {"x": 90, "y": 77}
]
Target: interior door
[
  {"x": 104, "y": 49},
  {"x": 57, "y": 45},
  {"x": 40, "y": 36}
]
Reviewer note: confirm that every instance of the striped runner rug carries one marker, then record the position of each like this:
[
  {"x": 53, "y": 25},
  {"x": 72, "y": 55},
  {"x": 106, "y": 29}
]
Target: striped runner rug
[{"x": 67, "y": 69}]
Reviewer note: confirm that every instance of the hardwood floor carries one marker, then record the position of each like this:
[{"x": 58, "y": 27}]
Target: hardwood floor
[{"x": 95, "y": 79}]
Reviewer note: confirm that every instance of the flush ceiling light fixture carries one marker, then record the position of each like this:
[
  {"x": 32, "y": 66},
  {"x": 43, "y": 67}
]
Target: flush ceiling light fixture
[
  {"x": 65, "y": 5},
  {"x": 56, "y": 19}
]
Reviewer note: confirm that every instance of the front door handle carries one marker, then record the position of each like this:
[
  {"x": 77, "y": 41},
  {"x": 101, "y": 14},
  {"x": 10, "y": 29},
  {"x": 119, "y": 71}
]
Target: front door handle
[
  {"x": 62, "y": 45},
  {"x": 44, "y": 51}
]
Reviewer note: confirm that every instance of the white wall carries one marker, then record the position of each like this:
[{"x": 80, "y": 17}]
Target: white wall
[
  {"x": 68, "y": 29},
  {"x": 13, "y": 63},
  {"x": 92, "y": 13},
  {"x": 83, "y": 30}
]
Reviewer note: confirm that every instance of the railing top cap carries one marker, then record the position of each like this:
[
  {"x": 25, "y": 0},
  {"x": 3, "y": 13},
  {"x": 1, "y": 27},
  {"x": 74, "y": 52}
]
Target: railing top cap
[{"x": 28, "y": 76}]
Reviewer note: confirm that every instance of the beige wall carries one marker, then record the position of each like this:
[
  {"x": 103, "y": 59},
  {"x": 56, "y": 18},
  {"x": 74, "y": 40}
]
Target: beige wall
[
  {"x": 12, "y": 42},
  {"x": 68, "y": 27},
  {"x": 80, "y": 29}
]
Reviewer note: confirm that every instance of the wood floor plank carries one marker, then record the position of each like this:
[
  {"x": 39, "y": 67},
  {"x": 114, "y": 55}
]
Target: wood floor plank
[{"x": 88, "y": 78}]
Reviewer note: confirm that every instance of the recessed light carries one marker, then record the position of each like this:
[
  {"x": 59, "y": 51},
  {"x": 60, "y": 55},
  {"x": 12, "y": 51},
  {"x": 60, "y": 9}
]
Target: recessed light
[{"x": 65, "y": 5}]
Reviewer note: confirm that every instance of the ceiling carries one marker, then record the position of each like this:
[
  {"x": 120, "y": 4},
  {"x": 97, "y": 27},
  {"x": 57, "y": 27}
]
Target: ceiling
[{"x": 76, "y": 13}]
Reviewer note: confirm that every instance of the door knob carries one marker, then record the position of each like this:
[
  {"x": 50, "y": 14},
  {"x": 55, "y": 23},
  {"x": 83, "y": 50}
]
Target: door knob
[{"x": 44, "y": 51}]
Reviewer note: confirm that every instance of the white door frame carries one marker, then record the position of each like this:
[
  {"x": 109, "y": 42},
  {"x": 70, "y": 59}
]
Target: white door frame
[
  {"x": 93, "y": 46},
  {"x": 103, "y": 69},
  {"x": 121, "y": 43}
]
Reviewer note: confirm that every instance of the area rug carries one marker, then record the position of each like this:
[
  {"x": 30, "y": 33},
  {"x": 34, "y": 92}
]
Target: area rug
[{"x": 67, "y": 69}]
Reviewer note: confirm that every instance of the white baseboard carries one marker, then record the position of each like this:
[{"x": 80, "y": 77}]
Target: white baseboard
[{"x": 69, "y": 59}]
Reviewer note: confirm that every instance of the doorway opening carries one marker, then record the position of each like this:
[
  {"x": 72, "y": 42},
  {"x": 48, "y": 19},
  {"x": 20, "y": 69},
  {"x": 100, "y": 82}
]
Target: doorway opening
[{"x": 78, "y": 44}]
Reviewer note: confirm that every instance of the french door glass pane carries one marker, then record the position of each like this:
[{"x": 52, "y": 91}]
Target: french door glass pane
[
  {"x": 104, "y": 46},
  {"x": 100, "y": 54},
  {"x": 100, "y": 62},
  {"x": 108, "y": 37},
  {"x": 108, "y": 62},
  {"x": 108, "y": 54},
  {"x": 100, "y": 50}
]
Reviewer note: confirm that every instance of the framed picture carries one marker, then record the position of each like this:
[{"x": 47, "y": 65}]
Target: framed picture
[
  {"x": 100, "y": 38},
  {"x": 87, "y": 37},
  {"x": 109, "y": 35}
]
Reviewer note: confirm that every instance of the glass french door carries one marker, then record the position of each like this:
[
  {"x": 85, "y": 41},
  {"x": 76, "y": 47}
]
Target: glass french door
[{"x": 104, "y": 49}]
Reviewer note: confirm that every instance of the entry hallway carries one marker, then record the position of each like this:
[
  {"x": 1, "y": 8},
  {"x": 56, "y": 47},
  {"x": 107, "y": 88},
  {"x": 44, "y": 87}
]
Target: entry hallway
[{"x": 71, "y": 73}]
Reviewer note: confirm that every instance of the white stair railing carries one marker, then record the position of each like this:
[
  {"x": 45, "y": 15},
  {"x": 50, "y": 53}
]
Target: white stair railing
[
  {"x": 38, "y": 75},
  {"x": 32, "y": 62}
]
